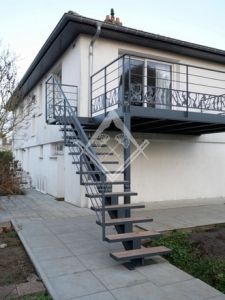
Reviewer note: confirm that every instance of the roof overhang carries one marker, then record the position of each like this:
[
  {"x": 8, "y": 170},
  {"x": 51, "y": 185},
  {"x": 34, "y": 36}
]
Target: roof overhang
[{"x": 72, "y": 25}]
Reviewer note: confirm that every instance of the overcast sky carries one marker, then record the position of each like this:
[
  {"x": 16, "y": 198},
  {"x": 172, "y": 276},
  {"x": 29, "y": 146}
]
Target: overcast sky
[{"x": 26, "y": 24}]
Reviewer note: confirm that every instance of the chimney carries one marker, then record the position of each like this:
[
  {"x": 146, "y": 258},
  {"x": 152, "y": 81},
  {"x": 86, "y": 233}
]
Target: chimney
[{"x": 111, "y": 18}]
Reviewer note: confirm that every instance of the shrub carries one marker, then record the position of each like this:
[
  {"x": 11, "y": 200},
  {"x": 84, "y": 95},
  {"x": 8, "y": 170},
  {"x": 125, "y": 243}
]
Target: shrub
[{"x": 10, "y": 179}]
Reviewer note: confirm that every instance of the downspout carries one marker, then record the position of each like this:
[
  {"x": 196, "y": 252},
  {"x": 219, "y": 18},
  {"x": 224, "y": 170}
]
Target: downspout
[{"x": 91, "y": 60}]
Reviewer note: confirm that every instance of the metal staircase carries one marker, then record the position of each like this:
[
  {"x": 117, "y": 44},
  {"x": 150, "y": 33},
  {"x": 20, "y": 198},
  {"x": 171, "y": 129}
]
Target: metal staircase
[{"x": 112, "y": 208}]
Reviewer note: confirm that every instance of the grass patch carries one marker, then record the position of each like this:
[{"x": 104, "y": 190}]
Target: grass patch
[
  {"x": 190, "y": 252},
  {"x": 40, "y": 296}
]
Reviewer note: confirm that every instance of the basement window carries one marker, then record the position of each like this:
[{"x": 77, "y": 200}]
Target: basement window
[{"x": 57, "y": 149}]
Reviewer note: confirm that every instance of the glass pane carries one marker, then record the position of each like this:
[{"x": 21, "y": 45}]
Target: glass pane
[
  {"x": 133, "y": 86},
  {"x": 159, "y": 84}
]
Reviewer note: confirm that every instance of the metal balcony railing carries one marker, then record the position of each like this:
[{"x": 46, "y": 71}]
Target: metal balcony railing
[
  {"x": 140, "y": 81},
  {"x": 55, "y": 97}
]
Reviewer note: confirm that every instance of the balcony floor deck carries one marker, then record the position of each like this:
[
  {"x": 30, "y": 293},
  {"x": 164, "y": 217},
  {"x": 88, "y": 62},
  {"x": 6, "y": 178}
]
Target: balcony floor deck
[{"x": 153, "y": 120}]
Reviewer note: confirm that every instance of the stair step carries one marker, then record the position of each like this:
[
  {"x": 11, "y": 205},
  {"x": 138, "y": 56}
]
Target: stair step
[
  {"x": 118, "y": 194},
  {"x": 140, "y": 253},
  {"x": 118, "y": 207},
  {"x": 72, "y": 138},
  {"x": 103, "y": 162},
  {"x": 104, "y": 153},
  {"x": 68, "y": 130},
  {"x": 71, "y": 144},
  {"x": 99, "y": 145},
  {"x": 90, "y": 129},
  {"x": 97, "y": 172},
  {"x": 97, "y": 183},
  {"x": 112, "y": 238},
  {"x": 109, "y": 162},
  {"x": 121, "y": 221},
  {"x": 74, "y": 153}
]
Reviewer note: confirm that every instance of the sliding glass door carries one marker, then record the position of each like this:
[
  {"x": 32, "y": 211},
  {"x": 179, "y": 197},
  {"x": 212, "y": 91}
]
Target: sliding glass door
[
  {"x": 146, "y": 83},
  {"x": 159, "y": 84}
]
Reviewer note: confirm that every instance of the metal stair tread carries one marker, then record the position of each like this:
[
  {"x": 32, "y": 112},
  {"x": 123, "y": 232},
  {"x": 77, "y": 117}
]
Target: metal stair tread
[
  {"x": 109, "y": 162},
  {"x": 118, "y": 221},
  {"x": 131, "y": 236},
  {"x": 100, "y": 195},
  {"x": 104, "y": 153},
  {"x": 74, "y": 153},
  {"x": 68, "y": 129},
  {"x": 96, "y": 172},
  {"x": 118, "y": 206},
  {"x": 142, "y": 252},
  {"x": 100, "y": 145},
  {"x": 72, "y": 138},
  {"x": 106, "y": 182}
]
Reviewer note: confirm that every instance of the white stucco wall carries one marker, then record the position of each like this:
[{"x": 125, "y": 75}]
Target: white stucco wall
[{"x": 179, "y": 167}]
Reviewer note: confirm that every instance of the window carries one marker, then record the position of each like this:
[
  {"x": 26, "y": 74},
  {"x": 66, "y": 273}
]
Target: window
[
  {"x": 58, "y": 75},
  {"x": 147, "y": 82},
  {"x": 33, "y": 125},
  {"x": 41, "y": 151},
  {"x": 58, "y": 148},
  {"x": 40, "y": 97}
]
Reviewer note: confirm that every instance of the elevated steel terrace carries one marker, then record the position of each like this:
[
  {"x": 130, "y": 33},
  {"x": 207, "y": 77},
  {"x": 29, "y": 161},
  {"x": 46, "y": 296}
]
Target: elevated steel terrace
[{"x": 163, "y": 97}]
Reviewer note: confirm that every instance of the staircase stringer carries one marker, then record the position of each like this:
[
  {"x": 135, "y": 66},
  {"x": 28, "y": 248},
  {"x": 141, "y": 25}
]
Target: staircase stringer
[{"x": 87, "y": 160}]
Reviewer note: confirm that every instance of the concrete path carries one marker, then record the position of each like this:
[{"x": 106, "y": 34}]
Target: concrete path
[
  {"x": 169, "y": 215},
  {"x": 65, "y": 246}
]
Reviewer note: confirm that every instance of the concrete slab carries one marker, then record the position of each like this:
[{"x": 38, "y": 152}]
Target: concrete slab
[
  {"x": 220, "y": 297},
  {"x": 98, "y": 261},
  {"x": 118, "y": 276},
  {"x": 160, "y": 274},
  {"x": 98, "y": 296},
  {"x": 8, "y": 291},
  {"x": 141, "y": 292},
  {"x": 65, "y": 265},
  {"x": 76, "y": 285},
  {"x": 193, "y": 289},
  {"x": 29, "y": 288},
  {"x": 43, "y": 254},
  {"x": 65, "y": 246}
]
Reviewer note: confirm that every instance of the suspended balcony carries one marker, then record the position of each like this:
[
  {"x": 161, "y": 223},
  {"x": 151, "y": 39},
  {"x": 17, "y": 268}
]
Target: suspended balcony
[{"x": 164, "y": 97}]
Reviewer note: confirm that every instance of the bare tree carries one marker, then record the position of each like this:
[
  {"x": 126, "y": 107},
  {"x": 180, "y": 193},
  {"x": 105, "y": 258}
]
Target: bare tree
[
  {"x": 15, "y": 112},
  {"x": 8, "y": 76}
]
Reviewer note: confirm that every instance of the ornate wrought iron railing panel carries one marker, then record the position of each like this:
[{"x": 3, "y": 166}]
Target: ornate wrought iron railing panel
[
  {"x": 55, "y": 94},
  {"x": 132, "y": 80}
]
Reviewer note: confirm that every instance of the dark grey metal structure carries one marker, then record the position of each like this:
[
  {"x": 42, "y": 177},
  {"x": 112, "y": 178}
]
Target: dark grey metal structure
[{"x": 109, "y": 210}]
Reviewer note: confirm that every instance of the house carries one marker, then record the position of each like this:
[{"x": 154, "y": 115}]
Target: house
[{"x": 153, "y": 102}]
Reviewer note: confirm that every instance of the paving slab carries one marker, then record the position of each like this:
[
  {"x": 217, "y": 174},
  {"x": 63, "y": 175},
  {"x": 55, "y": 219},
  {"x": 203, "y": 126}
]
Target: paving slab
[
  {"x": 65, "y": 265},
  {"x": 64, "y": 244},
  {"x": 160, "y": 274},
  {"x": 118, "y": 276},
  {"x": 8, "y": 291},
  {"x": 29, "y": 288},
  {"x": 97, "y": 296},
  {"x": 145, "y": 291},
  {"x": 75, "y": 285},
  {"x": 193, "y": 289}
]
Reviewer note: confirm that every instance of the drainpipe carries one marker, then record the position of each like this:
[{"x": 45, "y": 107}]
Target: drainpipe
[{"x": 91, "y": 60}]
